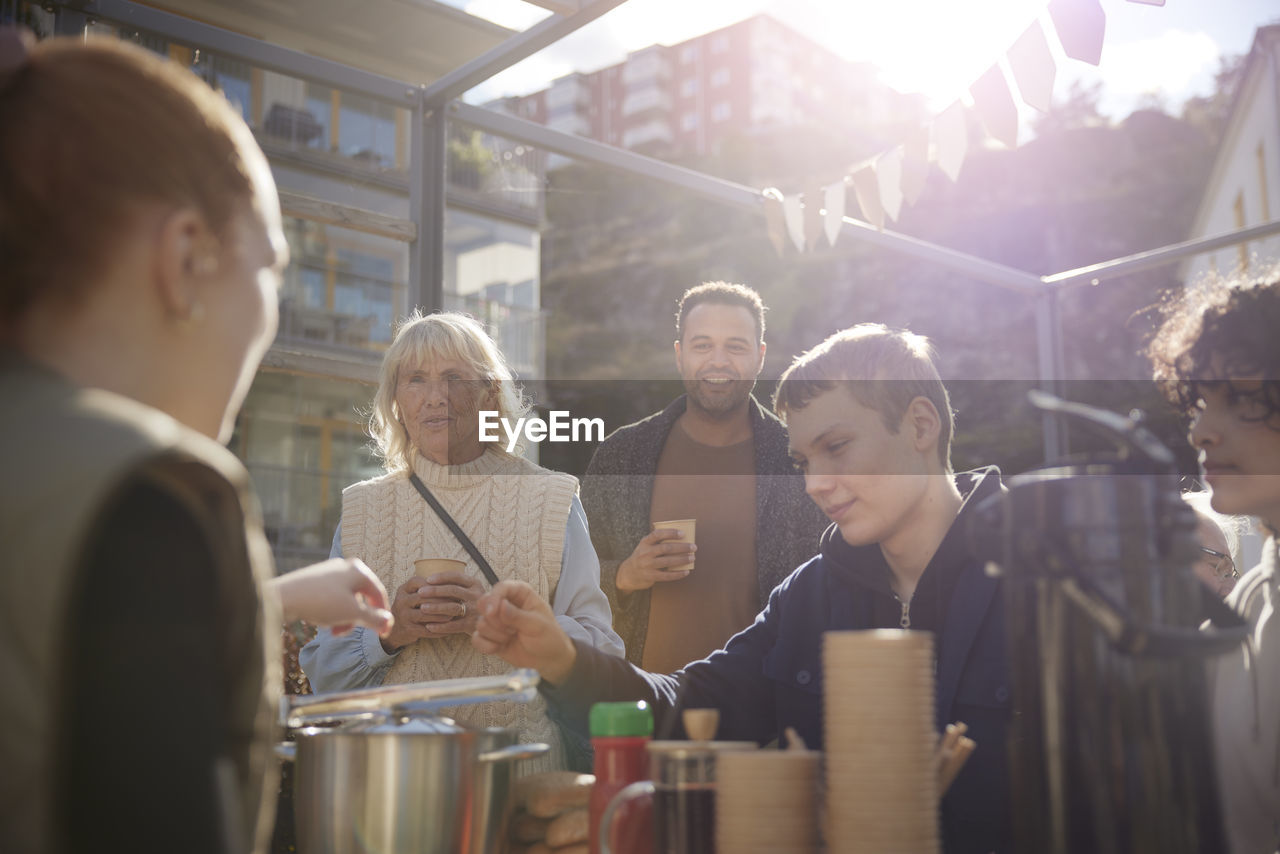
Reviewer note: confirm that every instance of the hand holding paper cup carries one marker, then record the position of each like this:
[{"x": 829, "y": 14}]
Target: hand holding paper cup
[
  {"x": 448, "y": 595},
  {"x": 429, "y": 566},
  {"x": 687, "y": 529}
]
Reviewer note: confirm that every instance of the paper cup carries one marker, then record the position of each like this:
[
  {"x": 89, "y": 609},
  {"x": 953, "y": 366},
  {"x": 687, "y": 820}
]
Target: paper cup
[
  {"x": 686, "y": 528},
  {"x": 428, "y": 566}
]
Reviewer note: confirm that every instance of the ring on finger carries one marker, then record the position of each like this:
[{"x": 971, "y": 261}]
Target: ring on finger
[{"x": 464, "y": 609}]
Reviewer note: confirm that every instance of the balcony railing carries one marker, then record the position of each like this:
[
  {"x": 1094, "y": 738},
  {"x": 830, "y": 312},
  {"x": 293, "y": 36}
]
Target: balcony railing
[
  {"x": 356, "y": 315},
  {"x": 569, "y": 92},
  {"x": 646, "y": 65},
  {"x": 651, "y": 99},
  {"x": 650, "y": 133},
  {"x": 300, "y": 510}
]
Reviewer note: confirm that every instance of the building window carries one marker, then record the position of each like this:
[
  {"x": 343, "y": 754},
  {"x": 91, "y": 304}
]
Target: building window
[
  {"x": 1242, "y": 249},
  {"x": 720, "y": 43},
  {"x": 367, "y": 130},
  {"x": 688, "y": 121},
  {"x": 720, "y": 111},
  {"x": 689, "y": 53},
  {"x": 342, "y": 287},
  {"x": 689, "y": 88},
  {"x": 302, "y": 442},
  {"x": 719, "y": 77},
  {"x": 1262, "y": 183}
]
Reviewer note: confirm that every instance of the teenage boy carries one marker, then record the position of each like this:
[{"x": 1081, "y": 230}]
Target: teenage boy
[
  {"x": 1217, "y": 356},
  {"x": 870, "y": 425}
]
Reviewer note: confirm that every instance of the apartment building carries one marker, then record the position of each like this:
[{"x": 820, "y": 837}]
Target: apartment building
[{"x": 686, "y": 99}]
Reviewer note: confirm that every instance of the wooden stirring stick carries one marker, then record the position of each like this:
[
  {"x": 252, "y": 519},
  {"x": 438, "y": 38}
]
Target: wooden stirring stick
[
  {"x": 948, "y": 771},
  {"x": 701, "y": 724},
  {"x": 794, "y": 741}
]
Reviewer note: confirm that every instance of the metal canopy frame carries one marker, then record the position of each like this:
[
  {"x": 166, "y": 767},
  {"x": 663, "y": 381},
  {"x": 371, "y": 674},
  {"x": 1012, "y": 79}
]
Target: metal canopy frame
[{"x": 434, "y": 105}]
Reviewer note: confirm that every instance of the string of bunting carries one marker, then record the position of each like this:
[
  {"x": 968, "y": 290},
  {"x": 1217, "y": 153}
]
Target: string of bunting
[{"x": 883, "y": 184}]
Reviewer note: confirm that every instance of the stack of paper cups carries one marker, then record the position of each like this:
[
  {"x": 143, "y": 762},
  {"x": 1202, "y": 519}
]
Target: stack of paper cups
[
  {"x": 766, "y": 801},
  {"x": 882, "y": 791}
]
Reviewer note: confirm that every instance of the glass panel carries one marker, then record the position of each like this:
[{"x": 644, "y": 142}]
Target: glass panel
[
  {"x": 496, "y": 172},
  {"x": 303, "y": 441},
  {"x": 491, "y": 272},
  {"x": 342, "y": 288},
  {"x": 367, "y": 130},
  {"x": 320, "y": 108},
  {"x": 228, "y": 76}
]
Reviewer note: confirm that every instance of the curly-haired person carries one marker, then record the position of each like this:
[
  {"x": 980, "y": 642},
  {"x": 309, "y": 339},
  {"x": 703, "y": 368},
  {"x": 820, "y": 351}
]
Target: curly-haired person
[{"x": 1217, "y": 357}]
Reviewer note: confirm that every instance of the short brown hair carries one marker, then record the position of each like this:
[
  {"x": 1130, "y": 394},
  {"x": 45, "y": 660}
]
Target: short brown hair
[
  {"x": 883, "y": 368},
  {"x": 89, "y": 131},
  {"x": 721, "y": 293}
]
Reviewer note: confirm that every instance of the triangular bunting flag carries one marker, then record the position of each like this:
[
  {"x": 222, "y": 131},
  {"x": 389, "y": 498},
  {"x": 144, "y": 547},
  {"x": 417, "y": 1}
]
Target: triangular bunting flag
[
  {"x": 834, "y": 203},
  {"x": 889, "y": 180},
  {"x": 994, "y": 105},
  {"x": 794, "y": 215},
  {"x": 1033, "y": 68},
  {"x": 1081, "y": 25},
  {"x": 813, "y": 198},
  {"x": 915, "y": 164},
  {"x": 951, "y": 139},
  {"x": 866, "y": 188},
  {"x": 775, "y": 220}
]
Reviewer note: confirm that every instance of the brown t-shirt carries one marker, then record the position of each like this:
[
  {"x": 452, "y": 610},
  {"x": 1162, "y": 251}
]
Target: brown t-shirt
[{"x": 691, "y": 618}]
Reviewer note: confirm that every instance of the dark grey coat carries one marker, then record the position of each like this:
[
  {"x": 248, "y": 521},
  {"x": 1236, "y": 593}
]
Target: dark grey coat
[{"x": 617, "y": 492}]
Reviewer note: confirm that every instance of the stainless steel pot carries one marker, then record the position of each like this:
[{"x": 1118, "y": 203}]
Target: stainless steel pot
[{"x": 404, "y": 784}]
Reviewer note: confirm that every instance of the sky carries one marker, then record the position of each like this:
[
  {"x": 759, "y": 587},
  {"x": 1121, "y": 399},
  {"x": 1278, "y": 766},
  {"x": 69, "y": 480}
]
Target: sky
[{"x": 935, "y": 47}]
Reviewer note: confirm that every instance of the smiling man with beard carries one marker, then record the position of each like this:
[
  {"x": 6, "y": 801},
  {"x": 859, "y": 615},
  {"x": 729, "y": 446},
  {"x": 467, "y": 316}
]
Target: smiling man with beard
[{"x": 715, "y": 455}]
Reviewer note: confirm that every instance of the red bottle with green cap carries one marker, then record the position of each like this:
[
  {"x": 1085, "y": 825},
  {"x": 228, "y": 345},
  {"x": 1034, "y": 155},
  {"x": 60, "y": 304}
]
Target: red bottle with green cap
[{"x": 619, "y": 733}]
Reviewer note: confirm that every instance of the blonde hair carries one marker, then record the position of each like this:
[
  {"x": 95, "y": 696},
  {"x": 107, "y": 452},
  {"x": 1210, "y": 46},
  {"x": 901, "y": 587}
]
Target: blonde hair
[
  {"x": 884, "y": 369},
  {"x": 425, "y": 338},
  {"x": 1233, "y": 528}
]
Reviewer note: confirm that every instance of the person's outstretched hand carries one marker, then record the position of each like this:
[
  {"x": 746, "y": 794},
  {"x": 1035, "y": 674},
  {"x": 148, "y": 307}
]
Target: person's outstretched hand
[
  {"x": 520, "y": 628},
  {"x": 338, "y": 593}
]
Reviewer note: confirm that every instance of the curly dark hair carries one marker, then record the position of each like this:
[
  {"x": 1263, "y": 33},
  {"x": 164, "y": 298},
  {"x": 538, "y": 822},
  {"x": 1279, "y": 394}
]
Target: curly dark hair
[{"x": 1219, "y": 330}]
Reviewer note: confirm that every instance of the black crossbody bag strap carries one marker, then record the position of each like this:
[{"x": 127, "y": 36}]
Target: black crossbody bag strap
[{"x": 457, "y": 532}]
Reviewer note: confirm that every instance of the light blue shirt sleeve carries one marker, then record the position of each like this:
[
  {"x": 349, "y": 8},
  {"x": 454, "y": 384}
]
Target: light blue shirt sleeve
[
  {"x": 354, "y": 660},
  {"x": 581, "y": 607},
  {"x": 357, "y": 659}
]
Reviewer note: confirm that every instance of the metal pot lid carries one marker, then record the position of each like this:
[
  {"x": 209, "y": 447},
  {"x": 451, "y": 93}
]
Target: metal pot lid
[{"x": 400, "y": 724}]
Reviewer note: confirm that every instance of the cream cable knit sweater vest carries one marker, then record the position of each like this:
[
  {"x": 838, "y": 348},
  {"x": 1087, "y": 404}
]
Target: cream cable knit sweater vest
[{"x": 515, "y": 512}]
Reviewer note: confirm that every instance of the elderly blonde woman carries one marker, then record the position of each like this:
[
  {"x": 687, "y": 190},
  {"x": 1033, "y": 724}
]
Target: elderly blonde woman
[{"x": 438, "y": 374}]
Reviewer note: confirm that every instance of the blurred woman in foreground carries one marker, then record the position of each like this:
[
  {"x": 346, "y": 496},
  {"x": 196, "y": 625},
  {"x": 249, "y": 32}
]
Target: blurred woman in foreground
[{"x": 139, "y": 621}]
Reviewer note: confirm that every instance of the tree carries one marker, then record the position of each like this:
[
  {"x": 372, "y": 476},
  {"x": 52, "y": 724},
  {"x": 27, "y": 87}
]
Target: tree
[
  {"x": 1078, "y": 109},
  {"x": 1209, "y": 112}
]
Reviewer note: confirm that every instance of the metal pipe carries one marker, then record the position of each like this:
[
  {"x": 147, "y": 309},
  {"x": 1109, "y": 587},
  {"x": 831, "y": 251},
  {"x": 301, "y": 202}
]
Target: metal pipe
[
  {"x": 232, "y": 45},
  {"x": 721, "y": 190},
  {"x": 1159, "y": 257},
  {"x": 431, "y": 214},
  {"x": 1049, "y": 357},
  {"x": 517, "y": 47}
]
